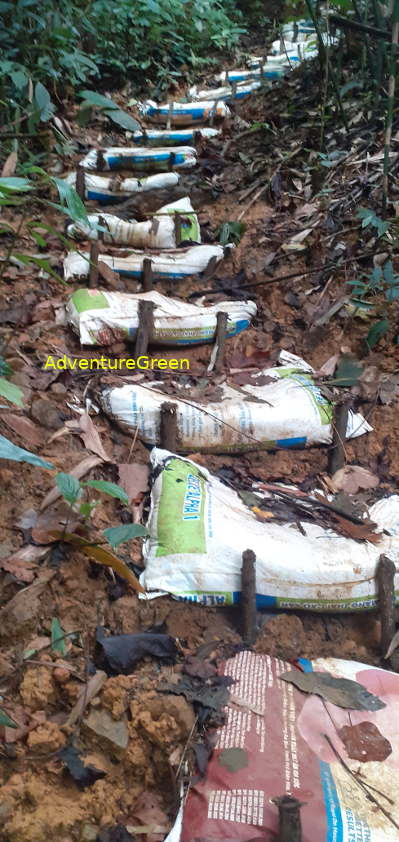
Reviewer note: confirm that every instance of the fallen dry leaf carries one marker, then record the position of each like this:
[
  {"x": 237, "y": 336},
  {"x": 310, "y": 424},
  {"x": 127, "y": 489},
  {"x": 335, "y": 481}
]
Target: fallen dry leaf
[
  {"x": 148, "y": 811},
  {"x": 134, "y": 479},
  {"x": 297, "y": 243},
  {"x": 339, "y": 691},
  {"x": 101, "y": 555},
  {"x": 9, "y": 165},
  {"x": 25, "y": 428},
  {"x": 365, "y": 742},
  {"x": 352, "y": 478},
  {"x": 23, "y": 563},
  {"x": 91, "y": 437},
  {"x": 357, "y": 531}
]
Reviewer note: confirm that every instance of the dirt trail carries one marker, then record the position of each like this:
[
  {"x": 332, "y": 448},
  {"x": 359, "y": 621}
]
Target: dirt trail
[{"x": 38, "y": 798}]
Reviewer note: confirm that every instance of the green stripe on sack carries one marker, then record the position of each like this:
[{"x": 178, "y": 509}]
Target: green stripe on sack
[{"x": 181, "y": 521}]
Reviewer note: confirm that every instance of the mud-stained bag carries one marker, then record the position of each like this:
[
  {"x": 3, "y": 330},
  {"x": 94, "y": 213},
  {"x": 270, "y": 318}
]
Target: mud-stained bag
[
  {"x": 106, "y": 189},
  {"x": 199, "y": 528},
  {"x": 102, "y": 318},
  {"x": 183, "y": 113},
  {"x": 282, "y": 408},
  {"x": 166, "y": 265},
  {"x": 139, "y": 158},
  {"x": 173, "y": 137},
  {"x": 157, "y": 233}
]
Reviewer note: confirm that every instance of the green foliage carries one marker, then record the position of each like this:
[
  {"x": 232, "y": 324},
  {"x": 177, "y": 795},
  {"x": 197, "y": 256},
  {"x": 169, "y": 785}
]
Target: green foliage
[
  {"x": 121, "y": 118},
  {"x": 376, "y": 332},
  {"x": 230, "y": 232},
  {"x": 119, "y": 534},
  {"x": 370, "y": 218},
  {"x": 11, "y": 451},
  {"x": 57, "y": 637},
  {"x": 69, "y": 486},
  {"x": 6, "y": 721},
  {"x": 382, "y": 280},
  {"x": 63, "y": 42},
  {"x": 110, "y": 488}
]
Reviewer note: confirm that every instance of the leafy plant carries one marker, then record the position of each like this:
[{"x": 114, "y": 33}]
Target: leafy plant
[
  {"x": 110, "y": 109},
  {"x": 370, "y": 218},
  {"x": 230, "y": 232}
]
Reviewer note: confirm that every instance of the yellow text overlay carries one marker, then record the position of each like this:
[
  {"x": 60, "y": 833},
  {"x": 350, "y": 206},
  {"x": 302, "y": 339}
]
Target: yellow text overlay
[{"x": 107, "y": 364}]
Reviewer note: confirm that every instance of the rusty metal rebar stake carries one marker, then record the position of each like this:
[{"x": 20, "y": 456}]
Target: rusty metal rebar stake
[
  {"x": 168, "y": 431},
  {"x": 248, "y": 596},
  {"x": 290, "y": 828},
  {"x": 145, "y": 327}
]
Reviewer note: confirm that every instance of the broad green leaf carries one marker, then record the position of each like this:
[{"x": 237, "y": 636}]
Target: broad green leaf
[
  {"x": 13, "y": 183},
  {"x": 69, "y": 487},
  {"x": 123, "y": 119},
  {"x": 119, "y": 534},
  {"x": 43, "y": 102},
  {"x": 98, "y": 99},
  {"x": 110, "y": 488},
  {"x": 69, "y": 196},
  {"x": 8, "y": 450},
  {"x": 11, "y": 392},
  {"x": 5, "y": 368},
  {"x": 57, "y": 637},
  {"x": 376, "y": 332},
  {"x": 347, "y": 372},
  {"x": 6, "y": 721}
]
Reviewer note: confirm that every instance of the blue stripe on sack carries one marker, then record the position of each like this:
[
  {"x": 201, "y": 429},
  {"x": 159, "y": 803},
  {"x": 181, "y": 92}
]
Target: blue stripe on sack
[
  {"x": 108, "y": 198},
  {"x": 137, "y": 160},
  {"x": 331, "y": 800},
  {"x": 273, "y": 74},
  {"x": 262, "y": 601},
  {"x": 195, "y": 113},
  {"x": 300, "y": 441}
]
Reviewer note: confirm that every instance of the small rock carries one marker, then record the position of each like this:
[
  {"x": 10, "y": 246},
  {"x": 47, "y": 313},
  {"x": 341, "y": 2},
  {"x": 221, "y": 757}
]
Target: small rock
[
  {"x": 47, "y": 738},
  {"x": 103, "y": 725},
  {"x": 37, "y": 689},
  {"x": 6, "y": 809},
  {"x": 61, "y": 675},
  {"x": 88, "y": 833},
  {"x": 46, "y": 414}
]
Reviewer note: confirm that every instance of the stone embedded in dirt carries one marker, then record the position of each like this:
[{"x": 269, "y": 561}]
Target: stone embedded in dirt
[
  {"x": 115, "y": 732},
  {"x": 37, "y": 689},
  {"x": 46, "y": 414},
  {"x": 88, "y": 833},
  {"x": 46, "y": 739}
]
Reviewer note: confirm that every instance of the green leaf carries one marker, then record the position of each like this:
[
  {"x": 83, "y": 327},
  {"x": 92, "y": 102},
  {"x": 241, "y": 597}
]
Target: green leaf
[
  {"x": 5, "y": 368},
  {"x": 376, "y": 332},
  {"x": 85, "y": 509},
  {"x": 69, "y": 486},
  {"x": 347, "y": 372},
  {"x": 11, "y": 392},
  {"x": 6, "y": 721},
  {"x": 57, "y": 637},
  {"x": 43, "y": 102},
  {"x": 119, "y": 534},
  {"x": 123, "y": 119},
  {"x": 69, "y": 196},
  {"x": 10, "y": 184},
  {"x": 8, "y": 450},
  {"x": 97, "y": 99},
  {"x": 110, "y": 488}
]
